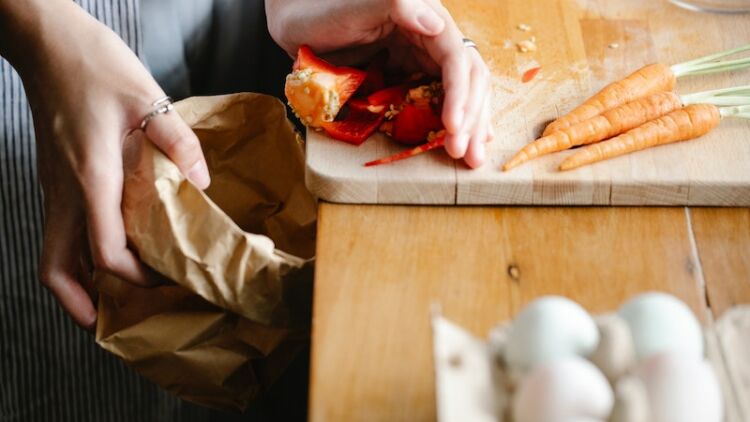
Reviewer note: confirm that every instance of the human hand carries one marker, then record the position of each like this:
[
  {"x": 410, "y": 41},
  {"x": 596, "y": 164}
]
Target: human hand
[
  {"x": 416, "y": 32},
  {"x": 87, "y": 91}
]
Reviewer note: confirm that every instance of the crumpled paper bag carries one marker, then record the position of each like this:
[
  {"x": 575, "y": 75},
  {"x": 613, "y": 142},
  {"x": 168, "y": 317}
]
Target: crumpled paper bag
[{"x": 239, "y": 256}]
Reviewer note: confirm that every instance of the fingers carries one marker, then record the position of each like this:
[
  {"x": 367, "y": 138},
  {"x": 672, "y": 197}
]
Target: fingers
[
  {"x": 417, "y": 16},
  {"x": 479, "y": 76},
  {"x": 59, "y": 267},
  {"x": 106, "y": 229},
  {"x": 171, "y": 135},
  {"x": 466, "y": 81},
  {"x": 483, "y": 133},
  {"x": 476, "y": 121},
  {"x": 449, "y": 53}
]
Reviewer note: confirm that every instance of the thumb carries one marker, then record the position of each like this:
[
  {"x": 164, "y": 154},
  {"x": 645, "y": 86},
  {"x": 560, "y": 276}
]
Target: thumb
[
  {"x": 417, "y": 16},
  {"x": 175, "y": 139}
]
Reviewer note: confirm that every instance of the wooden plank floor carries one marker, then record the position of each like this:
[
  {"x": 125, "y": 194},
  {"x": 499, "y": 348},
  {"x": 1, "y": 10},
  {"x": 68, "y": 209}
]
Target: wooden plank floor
[{"x": 380, "y": 269}]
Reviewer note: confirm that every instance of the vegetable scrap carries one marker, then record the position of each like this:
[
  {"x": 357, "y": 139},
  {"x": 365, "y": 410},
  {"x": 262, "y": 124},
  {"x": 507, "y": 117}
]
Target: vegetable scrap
[
  {"x": 530, "y": 74},
  {"x": 436, "y": 140},
  {"x": 641, "y": 111},
  {"x": 317, "y": 90},
  {"x": 614, "y": 46},
  {"x": 526, "y": 46},
  {"x": 523, "y": 27},
  {"x": 350, "y": 104}
]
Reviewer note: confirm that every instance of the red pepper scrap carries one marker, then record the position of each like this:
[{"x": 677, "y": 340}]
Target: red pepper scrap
[
  {"x": 530, "y": 74},
  {"x": 436, "y": 142},
  {"x": 348, "y": 79},
  {"x": 356, "y": 125},
  {"x": 413, "y": 123}
]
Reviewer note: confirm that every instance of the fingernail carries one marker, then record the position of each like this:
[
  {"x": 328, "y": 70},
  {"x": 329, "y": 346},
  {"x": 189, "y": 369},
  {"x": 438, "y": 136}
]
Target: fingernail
[
  {"x": 458, "y": 121},
  {"x": 462, "y": 143},
  {"x": 198, "y": 174},
  {"x": 430, "y": 22},
  {"x": 91, "y": 324}
]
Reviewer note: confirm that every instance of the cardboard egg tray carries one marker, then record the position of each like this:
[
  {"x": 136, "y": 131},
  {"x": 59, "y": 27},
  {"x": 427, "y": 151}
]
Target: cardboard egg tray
[{"x": 471, "y": 385}]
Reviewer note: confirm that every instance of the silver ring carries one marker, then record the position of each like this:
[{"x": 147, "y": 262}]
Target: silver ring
[
  {"x": 468, "y": 43},
  {"x": 163, "y": 106}
]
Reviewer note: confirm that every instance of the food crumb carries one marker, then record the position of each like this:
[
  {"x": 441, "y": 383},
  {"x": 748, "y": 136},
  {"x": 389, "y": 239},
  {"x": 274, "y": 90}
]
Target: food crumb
[
  {"x": 614, "y": 45},
  {"x": 514, "y": 272},
  {"x": 523, "y": 27},
  {"x": 526, "y": 46}
]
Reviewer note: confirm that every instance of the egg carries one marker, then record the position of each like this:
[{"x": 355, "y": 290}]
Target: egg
[
  {"x": 631, "y": 401},
  {"x": 681, "y": 388},
  {"x": 614, "y": 355},
  {"x": 549, "y": 328},
  {"x": 660, "y": 323},
  {"x": 570, "y": 389}
]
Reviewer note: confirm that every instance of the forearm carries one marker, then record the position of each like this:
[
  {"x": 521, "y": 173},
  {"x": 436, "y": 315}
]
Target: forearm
[{"x": 28, "y": 26}]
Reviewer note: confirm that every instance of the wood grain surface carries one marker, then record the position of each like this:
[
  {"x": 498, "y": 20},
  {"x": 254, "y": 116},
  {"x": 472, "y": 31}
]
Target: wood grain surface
[
  {"x": 574, "y": 39},
  {"x": 722, "y": 238},
  {"x": 380, "y": 269}
]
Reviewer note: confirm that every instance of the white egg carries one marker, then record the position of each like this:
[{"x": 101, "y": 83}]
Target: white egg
[
  {"x": 614, "y": 355},
  {"x": 660, "y": 323},
  {"x": 549, "y": 328},
  {"x": 570, "y": 389},
  {"x": 681, "y": 388}
]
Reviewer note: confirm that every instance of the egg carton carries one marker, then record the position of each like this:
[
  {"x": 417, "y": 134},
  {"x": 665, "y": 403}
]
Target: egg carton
[{"x": 474, "y": 383}]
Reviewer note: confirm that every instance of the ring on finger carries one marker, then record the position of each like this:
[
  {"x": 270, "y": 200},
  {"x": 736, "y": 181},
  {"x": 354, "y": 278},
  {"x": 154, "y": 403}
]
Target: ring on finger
[
  {"x": 469, "y": 43},
  {"x": 163, "y": 106}
]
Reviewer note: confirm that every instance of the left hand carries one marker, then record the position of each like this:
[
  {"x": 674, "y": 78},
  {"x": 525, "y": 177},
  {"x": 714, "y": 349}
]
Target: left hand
[{"x": 420, "y": 34}]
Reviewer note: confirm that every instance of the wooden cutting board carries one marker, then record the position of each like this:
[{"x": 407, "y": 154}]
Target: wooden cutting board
[{"x": 582, "y": 45}]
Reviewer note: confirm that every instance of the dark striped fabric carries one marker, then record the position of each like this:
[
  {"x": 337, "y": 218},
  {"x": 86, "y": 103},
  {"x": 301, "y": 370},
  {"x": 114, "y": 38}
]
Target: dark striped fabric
[{"x": 50, "y": 370}]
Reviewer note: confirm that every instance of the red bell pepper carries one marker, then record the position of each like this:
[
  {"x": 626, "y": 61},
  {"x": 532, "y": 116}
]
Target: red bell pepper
[
  {"x": 348, "y": 79},
  {"x": 414, "y": 122},
  {"x": 356, "y": 125},
  {"x": 317, "y": 90}
]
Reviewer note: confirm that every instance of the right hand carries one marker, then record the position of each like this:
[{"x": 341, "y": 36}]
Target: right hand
[
  {"x": 87, "y": 91},
  {"x": 420, "y": 31}
]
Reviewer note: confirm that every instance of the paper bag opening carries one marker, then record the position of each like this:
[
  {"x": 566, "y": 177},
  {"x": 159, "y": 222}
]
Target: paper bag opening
[{"x": 239, "y": 255}]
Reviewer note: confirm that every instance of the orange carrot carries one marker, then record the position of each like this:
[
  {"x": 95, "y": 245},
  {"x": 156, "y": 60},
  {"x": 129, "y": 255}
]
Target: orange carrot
[
  {"x": 606, "y": 125},
  {"x": 646, "y": 80},
  {"x": 435, "y": 142},
  {"x": 680, "y": 125}
]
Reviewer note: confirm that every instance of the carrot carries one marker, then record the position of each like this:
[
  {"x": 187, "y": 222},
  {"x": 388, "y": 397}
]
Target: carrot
[
  {"x": 436, "y": 142},
  {"x": 646, "y": 80},
  {"x": 606, "y": 125},
  {"x": 680, "y": 125}
]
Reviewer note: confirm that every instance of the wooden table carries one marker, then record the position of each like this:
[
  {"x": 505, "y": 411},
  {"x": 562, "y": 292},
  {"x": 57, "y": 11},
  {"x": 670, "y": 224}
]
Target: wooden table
[{"x": 381, "y": 268}]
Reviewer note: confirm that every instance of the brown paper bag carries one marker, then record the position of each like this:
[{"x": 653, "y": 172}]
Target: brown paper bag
[{"x": 239, "y": 256}]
